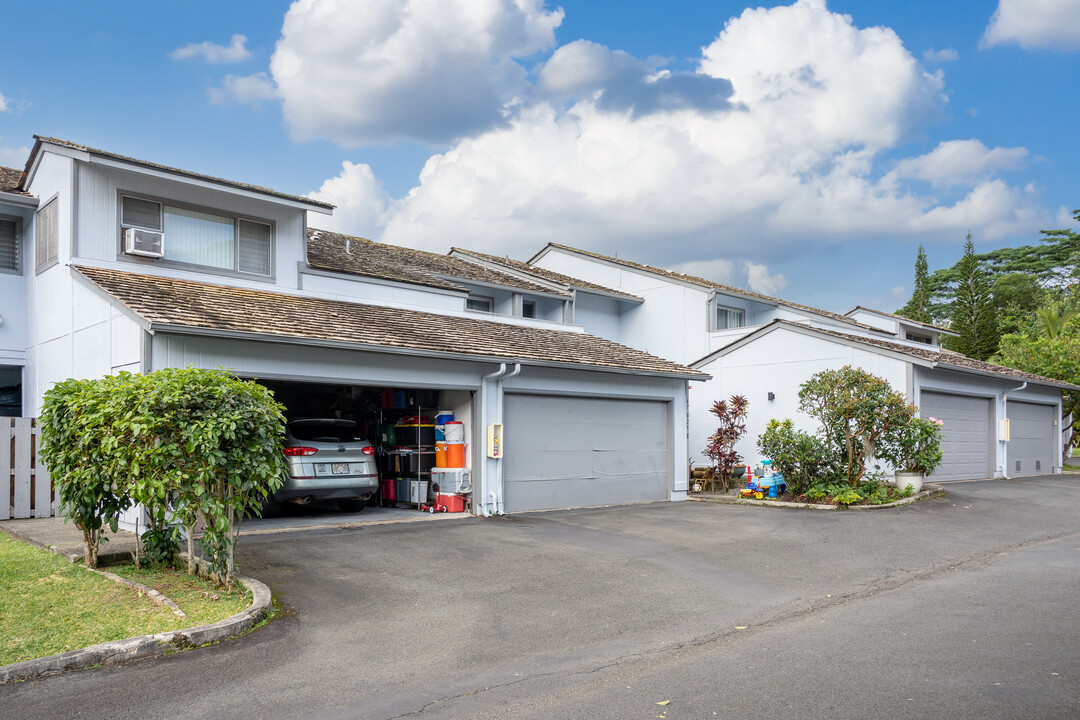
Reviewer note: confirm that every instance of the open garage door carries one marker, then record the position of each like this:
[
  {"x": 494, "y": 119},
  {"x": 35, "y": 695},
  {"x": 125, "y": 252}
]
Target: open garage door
[
  {"x": 564, "y": 452},
  {"x": 967, "y": 443},
  {"x": 1032, "y": 447}
]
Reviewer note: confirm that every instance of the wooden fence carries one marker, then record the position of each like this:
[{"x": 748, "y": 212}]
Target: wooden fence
[{"x": 25, "y": 487}]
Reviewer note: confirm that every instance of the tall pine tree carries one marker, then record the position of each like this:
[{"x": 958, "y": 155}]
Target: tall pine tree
[
  {"x": 973, "y": 314},
  {"x": 918, "y": 307}
]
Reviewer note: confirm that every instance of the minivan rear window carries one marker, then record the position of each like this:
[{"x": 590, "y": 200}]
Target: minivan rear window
[{"x": 324, "y": 430}]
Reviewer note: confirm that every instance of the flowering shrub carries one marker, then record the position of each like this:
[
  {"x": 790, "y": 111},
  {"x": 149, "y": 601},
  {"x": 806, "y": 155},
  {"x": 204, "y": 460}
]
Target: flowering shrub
[
  {"x": 914, "y": 447},
  {"x": 721, "y": 448}
]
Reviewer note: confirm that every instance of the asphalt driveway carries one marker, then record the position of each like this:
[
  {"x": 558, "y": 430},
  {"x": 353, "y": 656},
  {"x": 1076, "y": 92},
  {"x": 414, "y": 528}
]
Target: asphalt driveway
[{"x": 603, "y": 613}]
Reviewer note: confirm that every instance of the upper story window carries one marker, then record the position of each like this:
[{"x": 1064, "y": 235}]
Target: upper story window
[
  {"x": 528, "y": 308},
  {"x": 47, "y": 237},
  {"x": 195, "y": 237},
  {"x": 727, "y": 318},
  {"x": 920, "y": 338},
  {"x": 480, "y": 304},
  {"x": 10, "y": 244}
]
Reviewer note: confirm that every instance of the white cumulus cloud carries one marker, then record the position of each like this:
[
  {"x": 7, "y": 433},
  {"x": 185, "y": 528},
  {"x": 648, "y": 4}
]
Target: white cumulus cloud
[
  {"x": 760, "y": 280},
  {"x": 211, "y": 52},
  {"x": 936, "y": 57},
  {"x": 1046, "y": 24},
  {"x": 422, "y": 70},
  {"x": 958, "y": 161},
  {"x": 795, "y": 154},
  {"x": 3, "y": 103},
  {"x": 14, "y": 157},
  {"x": 246, "y": 89},
  {"x": 360, "y": 200}
]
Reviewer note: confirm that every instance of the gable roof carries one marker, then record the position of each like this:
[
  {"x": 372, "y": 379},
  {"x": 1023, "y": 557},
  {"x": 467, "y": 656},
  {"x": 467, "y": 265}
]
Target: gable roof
[
  {"x": 40, "y": 140},
  {"x": 923, "y": 356},
  {"x": 173, "y": 305},
  {"x": 901, "y": 318},
  {"x": 360, "y": 256},
  {"x": 702, "y": 282},
  {"x": 550, "y": 275}
]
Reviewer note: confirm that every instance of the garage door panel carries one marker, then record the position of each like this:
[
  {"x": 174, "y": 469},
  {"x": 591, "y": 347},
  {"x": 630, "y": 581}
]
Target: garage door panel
[
  {"x": 1032, "y": 446},
  {"x": 966, "y": 438},
  {"x": 574, "y": 452}
]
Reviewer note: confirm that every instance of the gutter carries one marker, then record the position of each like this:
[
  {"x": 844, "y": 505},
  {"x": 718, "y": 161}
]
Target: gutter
[{"x": 30, "y": 201}]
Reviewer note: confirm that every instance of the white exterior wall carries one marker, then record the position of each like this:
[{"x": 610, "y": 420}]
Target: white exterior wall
[
  {"x": 98, "y": 226},
  {"x": 374, "y": 292},
  {"x": 672, "y": 323},
  {"x": 600, "y": 315},
  {"x": 1000, "y": 391},
  {"x": 778, "y": 362},
  {"x": 13, "y": 338},
  {"x": 875, "y": 320}
]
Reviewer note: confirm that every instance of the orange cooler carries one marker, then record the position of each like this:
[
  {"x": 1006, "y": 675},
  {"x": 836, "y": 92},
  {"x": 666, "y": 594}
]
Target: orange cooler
[
  {"x": 455, "y": 455},
  {"x": 440, "y": 454}
]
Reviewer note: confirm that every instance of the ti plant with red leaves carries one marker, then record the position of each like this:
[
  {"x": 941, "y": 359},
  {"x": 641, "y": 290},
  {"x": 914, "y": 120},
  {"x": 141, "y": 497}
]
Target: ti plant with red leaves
[{"x": 731, "y": 415}]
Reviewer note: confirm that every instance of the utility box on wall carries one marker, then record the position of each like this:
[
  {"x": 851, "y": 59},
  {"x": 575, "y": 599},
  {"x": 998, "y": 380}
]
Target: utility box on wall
[
  {"x": 1003, "y": 430},
  {"x": 495, "y": 440}
]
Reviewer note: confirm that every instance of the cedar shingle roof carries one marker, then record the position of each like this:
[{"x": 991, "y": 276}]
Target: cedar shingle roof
[
  {"x": 546, "y": 274},
  {"x": 171, "y": 302},
  {"x": 187, "y": 173},
  {"x": 945, "y": 358},
  {"x": 695, "y": 280},
  {"x": 9, "y": 180},
  {"x": 360, "y": 256}
]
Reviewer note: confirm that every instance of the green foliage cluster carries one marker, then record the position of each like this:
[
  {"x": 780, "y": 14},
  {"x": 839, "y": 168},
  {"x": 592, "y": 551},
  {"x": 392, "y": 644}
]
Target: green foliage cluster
[
  {"x": 801, "y": 457},
  {"x": 918, "y": 307},
  {"x": 187, "y": 444},
  {"x": 861, "y": 416},
  {"x": 973, "y": 314},
  {"x": 856, "y": 410}
]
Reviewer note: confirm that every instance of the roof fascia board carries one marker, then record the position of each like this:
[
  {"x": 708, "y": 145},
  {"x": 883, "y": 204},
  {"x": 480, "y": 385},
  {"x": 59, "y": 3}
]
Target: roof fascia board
[
  {"x": 625, "y": 297},
  {"x": 31, "y": 201},
  {"x": 901, "y": 320},
  {"x": 207, "y": 184},
  {"x": 304, "y": 269},
  {"x": 465, "y": 256},
  {"x": 812, "y": 332},
  {"x": 496, "y": 286},
  {"x": 392, "y": 350},
  {"x": 1003, "y": 376},
  {"x": 614, "y": 262}
]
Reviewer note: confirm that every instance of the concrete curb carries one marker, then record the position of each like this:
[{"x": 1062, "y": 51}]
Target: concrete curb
[
  {"x": 927, "y": 491},
  {"x": 119, "y": 651}
]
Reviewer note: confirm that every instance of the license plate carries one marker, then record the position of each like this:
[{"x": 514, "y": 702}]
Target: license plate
[{"x": 340, "y": 468}]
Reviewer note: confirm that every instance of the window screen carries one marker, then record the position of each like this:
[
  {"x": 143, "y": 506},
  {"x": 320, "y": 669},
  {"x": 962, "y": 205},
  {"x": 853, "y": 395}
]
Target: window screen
[
  {"x": 47, "y": 234},
  {"x": 528, "y": 309},
  {"x": 141, "y": 213},
  {"x": 199, "y": 238},
  {"x": 9, "y": 245},
  {"x": 480, "y": 304},
  {"x": 254, "y": 252},
  {"x": 727, "y": 318}
]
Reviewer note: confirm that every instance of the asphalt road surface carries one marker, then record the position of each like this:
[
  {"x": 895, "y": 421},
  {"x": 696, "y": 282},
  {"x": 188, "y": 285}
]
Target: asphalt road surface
[{"x": 959, "y": 607}]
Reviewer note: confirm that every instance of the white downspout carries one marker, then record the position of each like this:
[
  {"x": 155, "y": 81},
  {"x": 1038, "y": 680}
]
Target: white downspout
[
  {"x": 485, "y": 508},
  {"x": 1004, "y": 415},
  {"x": 499, "y": 414}
]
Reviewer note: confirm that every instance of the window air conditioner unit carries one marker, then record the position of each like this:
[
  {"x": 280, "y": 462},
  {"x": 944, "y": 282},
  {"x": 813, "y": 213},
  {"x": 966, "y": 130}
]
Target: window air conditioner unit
[{"x": 144, "y": 242}]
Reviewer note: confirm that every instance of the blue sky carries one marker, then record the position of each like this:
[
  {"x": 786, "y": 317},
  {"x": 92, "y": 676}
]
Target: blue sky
[{"x": 802, "y": 150}]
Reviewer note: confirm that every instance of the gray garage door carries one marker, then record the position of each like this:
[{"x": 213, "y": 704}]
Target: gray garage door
[
  {"x": 1032, "y": 447},
  {"x": 566, "y": 452},
  {"x": 967, "y": 444}
]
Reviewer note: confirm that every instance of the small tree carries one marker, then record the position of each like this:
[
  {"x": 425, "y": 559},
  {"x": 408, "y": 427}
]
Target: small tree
[
  {"x": 973, "y": 314},
  {"x": 856, "y": 409},
  {"x": 918, "y": 307},
  {"x": 78, "y": 447},
  {"x": 721, "y": 448}
]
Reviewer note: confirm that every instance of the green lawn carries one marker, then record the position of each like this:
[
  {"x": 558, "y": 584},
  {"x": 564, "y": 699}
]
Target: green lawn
[{"x": 48, "y": 605}]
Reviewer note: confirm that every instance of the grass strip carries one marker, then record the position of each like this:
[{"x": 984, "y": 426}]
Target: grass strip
[{"x": 48, "y": 605}]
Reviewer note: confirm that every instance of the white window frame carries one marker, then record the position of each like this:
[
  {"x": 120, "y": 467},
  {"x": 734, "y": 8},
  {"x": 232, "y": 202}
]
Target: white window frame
[
  {"x": 17, "y": 221},
  {"x": 46, "y": 220},
  {"x": 924, "y": 339},
  {"x": 236, "y": 219},
  {"x": 480, "y": 299},
  {"x": 717, "y": 307}
]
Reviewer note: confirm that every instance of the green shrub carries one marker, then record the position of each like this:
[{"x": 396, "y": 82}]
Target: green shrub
[
  {"x": 800, "y": 457},
  {"x": 185, "y": 443},
  {"x": 856, "y": 410}
]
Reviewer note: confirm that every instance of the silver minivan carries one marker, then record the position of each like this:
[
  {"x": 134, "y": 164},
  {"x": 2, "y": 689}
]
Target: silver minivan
[{"x": 327, "y": 461}]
